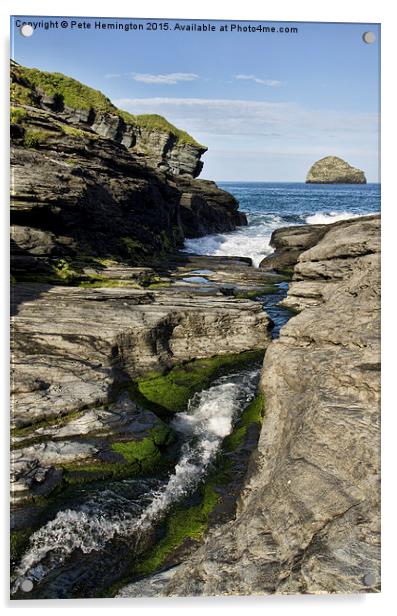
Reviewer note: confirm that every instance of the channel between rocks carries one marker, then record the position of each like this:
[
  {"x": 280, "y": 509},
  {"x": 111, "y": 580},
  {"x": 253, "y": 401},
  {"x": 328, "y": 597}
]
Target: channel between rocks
[{"x": 145, "y": 505}]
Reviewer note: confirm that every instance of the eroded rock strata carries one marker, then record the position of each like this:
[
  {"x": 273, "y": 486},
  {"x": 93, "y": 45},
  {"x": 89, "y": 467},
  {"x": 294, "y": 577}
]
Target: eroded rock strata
[
  {"x": 90, "y": 179},
  {"x": 308, "y": 518}
]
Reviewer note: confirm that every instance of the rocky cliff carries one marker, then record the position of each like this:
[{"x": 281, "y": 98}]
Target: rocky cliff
[
  {"x": 334, "y": 170},
  {"x": 308, "y": 518},
  {"x": 89, "y": 179}
]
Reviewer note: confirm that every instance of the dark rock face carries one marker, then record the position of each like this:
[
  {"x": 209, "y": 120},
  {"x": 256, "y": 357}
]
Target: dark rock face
[
  {"x": 81, "y": 194},
  {"x": 334, "y": 170},
  {"x": 86, "y": 181},
  {"x": 76, "y": 193},
  {"x": 309, "y": 516},
  {"x": 205, "y": 206}
]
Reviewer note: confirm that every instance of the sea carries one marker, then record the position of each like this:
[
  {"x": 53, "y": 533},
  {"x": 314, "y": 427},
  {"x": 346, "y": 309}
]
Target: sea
[{"x": 270, "y": 205}]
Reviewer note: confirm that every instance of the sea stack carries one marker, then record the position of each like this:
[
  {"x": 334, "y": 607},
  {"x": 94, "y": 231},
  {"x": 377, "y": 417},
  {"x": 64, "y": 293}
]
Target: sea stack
[{"x": 334, "y": 170}]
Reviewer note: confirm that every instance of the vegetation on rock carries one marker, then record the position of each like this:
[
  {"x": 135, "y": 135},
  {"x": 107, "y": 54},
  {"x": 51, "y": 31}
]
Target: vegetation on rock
[{"x": 173, "y": 390}]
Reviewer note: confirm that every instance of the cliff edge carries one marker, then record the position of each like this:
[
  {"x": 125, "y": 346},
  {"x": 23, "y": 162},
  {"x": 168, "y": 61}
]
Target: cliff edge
[{"x": 89, "y": 179}]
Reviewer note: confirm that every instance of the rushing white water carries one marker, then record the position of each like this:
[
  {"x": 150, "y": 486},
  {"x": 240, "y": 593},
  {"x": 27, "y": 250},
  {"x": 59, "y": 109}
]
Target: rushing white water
[
  {"x": 254, "y": 240},
  {"x": 326, "y": 218},
  {"x": 109, "y": 514}
]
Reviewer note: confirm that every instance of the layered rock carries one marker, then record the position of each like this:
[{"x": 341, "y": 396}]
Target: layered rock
[
  {"x": 308, "y": 518},
  {"x": 162, "y": 145},
  {"x": 334, "y": 170},
  {"x": 289, "y": 243},
  {"x": 74, "y": 349},
  {"x": 89, "y": 179},
  {"x": 204, "y": 206}
]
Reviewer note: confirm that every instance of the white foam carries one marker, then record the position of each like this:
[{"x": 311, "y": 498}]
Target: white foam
[
  {"x": 252, "y": 241},
  {"x": 326, "y": 218},
  {"x": 208, "y": 419}
]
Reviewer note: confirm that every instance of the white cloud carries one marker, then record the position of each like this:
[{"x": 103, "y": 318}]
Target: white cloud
[
  {"x": 244, "y": 136},
  {"x": 266, "y": 82},
  {"x": 257, "y": 118},
  {"x": 169, "y": 78}
]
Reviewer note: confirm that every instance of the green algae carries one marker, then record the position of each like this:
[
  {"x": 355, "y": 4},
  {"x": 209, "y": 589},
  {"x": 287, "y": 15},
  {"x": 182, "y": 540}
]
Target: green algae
[
  {"x": 254, "y": 413},
  {"x": 174, "y": 389},
  {"x": 18, "y": 543},
  {"x": 252, "y": 294},
  {"x": 137, "y": 457}
]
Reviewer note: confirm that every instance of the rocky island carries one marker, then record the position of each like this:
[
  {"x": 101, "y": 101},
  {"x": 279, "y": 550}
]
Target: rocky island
[
  {"x": 116, "y": 334},
  {"x": 334, "y": 170}
]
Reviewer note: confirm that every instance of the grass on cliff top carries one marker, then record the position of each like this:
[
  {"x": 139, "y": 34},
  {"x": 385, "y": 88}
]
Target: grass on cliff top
[
  {"x": 72, "y": 93},
  {"x": 174, "y": 389}
]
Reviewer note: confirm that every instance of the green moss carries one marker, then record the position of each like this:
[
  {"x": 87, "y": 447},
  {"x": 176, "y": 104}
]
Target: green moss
[
  {"x": 33, "y": 138},
  {"x": 68, "y": 91},
  {"x": 64, "y": 270},
  {"x": 18, "y": 542},
  {"x": 103, "y": 282},
  {"x": 139, "y": 457},
  {"x": 182, "y": 524},
  {"x": 151, "y": 122},
  {"x": 76, "y": 474},
  {"x": 17, "y": 115},
  {"x": 159, "y": 285},
  {"x": 75, "y": 132},
  {"x": 21, "y": 94},
  {"x": 173, "y": 390},
  {"x": 252, "y": 414},
  {"x": 256, "y": 292},
  {"x": 145, "y": 451}
]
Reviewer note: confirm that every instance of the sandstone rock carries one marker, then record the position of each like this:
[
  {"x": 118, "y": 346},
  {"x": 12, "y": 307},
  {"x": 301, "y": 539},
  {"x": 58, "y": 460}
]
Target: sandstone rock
[
  {"x": 289, "y": 243},
  {"x": 308, "y": 519},
  {"x": 334, "y": 170}
]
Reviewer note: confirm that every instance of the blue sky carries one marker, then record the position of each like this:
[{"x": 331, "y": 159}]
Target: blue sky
[{"x": 267, "y": 105}]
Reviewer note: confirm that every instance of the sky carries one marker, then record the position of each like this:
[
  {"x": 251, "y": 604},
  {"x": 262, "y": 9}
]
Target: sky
[{"x": 266, "y": 104}]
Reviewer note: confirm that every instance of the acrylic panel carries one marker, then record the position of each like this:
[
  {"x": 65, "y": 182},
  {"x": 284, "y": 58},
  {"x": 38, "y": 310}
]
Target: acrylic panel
[{"x": 195, "y": 252}]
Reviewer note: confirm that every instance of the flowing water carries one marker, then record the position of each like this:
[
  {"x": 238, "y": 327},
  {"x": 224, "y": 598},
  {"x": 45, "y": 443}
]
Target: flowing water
[
  {"x": 84, "y": 547},
  {"x": 79, "y": 546},
  {"x": 272, "y": 205}
]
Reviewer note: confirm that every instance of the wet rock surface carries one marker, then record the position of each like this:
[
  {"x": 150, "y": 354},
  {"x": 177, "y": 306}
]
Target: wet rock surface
[
  {"x": 73, "y": 347},
  {"x": 308, "y": 518}
]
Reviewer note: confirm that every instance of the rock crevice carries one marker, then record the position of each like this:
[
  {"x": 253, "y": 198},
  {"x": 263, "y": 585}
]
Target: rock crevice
[{"x": 308, "y": 518}]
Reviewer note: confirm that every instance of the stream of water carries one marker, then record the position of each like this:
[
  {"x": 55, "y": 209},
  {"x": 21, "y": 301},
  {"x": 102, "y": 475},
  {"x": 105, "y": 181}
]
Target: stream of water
[
  {"x": 82, "y": 543},
  {"x": 82, "y": 548}
]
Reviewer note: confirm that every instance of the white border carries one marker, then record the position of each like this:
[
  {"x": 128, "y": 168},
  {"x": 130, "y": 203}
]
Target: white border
[{"x": 289, "y": 10}]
